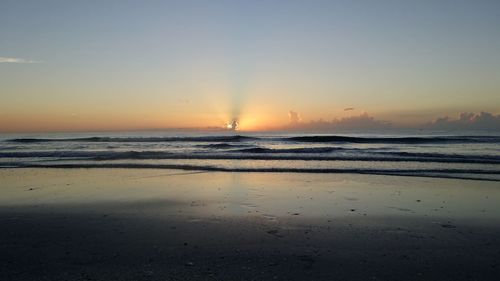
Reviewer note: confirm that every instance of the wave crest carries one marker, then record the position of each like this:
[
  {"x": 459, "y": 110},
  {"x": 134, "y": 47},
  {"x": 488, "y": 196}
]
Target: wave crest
[{"x": 472, "y": 174}]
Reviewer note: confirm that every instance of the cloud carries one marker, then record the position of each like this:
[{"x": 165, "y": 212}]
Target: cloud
[
  {"x": 294, "y": 117},
  {"x": 348, "y": 108},
  {"x": 363, "y": 121},
  {"x": 467, "y": 121},
  {"x": 360, "y": 122},
  {"x": 16, "y": 60}
]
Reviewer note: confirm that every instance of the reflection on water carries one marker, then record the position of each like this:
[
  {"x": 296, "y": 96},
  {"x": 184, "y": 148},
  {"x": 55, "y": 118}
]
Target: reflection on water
[{"x": 270, "y": 196}]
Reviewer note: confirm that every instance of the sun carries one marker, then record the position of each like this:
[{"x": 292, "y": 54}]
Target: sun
[{"x": 233, "y": 125}]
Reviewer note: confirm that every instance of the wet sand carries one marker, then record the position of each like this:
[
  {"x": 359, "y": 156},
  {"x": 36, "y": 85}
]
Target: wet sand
[{"x": 129, "y": 224}]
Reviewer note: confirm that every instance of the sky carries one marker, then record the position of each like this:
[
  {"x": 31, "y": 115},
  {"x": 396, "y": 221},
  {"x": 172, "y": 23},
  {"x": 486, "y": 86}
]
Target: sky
[{"x": 123, "y": 65}]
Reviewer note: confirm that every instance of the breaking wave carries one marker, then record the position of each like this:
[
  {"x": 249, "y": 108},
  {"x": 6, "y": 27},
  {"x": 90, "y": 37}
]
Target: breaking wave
[
  {"x": 235, "y": 138},
  {"x": 257, "y": 153},
  {"x": 472, "y": 174},
  {"x": 470, "y": 157},
  {"x": 397, "y": 140},
  {"x": 308, "y": 139}
]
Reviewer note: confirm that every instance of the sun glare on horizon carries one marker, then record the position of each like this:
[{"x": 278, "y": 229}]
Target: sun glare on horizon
[{"x": 232, "y": 125}]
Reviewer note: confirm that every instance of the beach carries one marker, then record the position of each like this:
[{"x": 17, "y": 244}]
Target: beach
[
  {"x": 249, "y": 140},
  {"x": 161, "y": 224}
]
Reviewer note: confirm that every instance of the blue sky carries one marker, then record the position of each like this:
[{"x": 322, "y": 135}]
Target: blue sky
[{"x": 197, "y": 63}]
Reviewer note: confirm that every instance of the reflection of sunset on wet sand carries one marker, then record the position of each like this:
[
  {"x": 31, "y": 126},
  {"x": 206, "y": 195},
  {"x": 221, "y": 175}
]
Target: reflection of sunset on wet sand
[{"x": 210, "y": 225}]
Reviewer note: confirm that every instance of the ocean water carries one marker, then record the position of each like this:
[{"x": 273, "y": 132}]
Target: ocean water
[{"x": 470, "y": 156}]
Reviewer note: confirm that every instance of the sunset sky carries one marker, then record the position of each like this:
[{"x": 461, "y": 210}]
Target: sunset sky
[{"x": 120, "y": 65}]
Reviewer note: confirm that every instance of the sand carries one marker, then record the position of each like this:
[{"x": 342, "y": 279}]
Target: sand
[{"x": 130, "y": 224}]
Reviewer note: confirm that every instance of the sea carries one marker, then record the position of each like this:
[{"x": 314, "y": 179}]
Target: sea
[{"x": 440, "y": 155}]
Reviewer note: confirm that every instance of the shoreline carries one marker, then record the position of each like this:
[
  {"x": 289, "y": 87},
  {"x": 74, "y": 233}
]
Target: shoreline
[
  {"x": 423, "y": 173},
  {"x": 129, "y": 224}
]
